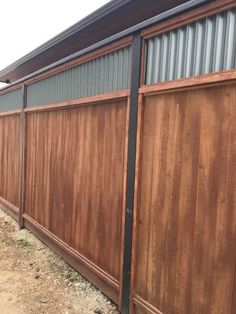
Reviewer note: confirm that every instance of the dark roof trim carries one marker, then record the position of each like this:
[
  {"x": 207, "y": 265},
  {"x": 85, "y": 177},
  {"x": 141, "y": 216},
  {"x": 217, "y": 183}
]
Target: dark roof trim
[
  {"x": 93, "y": 17},
  {"x": 158, "y": 18}
]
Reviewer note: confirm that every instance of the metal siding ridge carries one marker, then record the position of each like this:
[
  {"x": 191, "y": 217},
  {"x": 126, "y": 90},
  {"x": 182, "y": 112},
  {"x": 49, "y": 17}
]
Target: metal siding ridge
[
  {"x": 11, "y": 100},
  {"x": 104, "y": 74},
  {"x": 198, "y": 48},
  {"x": 230, "y": 41}
]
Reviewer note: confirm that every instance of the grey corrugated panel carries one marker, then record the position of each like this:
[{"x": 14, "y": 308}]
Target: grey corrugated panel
[
  {"x": 12, "y": 100},
  {"x": 230, "y": 41},
  {"x": 202, "y": 47},
  {"x": 105, "y": 74}
]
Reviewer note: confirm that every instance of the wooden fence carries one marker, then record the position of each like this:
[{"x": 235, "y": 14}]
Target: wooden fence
[
  {"x": 156, "y": 203},
  {"x": 10, "y": 161},
  {"x": 75, "y": 181},
  {"x": 185, "y": 220}
]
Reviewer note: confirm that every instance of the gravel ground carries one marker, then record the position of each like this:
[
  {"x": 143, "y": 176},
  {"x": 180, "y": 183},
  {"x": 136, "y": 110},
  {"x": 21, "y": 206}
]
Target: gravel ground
[{"x": 33, "y": 279}]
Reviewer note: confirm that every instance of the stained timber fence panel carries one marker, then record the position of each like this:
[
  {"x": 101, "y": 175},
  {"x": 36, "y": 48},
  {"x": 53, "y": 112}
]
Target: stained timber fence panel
[
  {"x": 186, "y": 205},
  {"x": 75, "y": 168},
  {"x": 10, "y": 105},
  {"x": 9, "y": 159},
  {"x": 75, "y": 163}
]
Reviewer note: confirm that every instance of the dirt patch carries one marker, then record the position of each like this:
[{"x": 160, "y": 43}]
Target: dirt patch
[{"x": 33, "y": 279}]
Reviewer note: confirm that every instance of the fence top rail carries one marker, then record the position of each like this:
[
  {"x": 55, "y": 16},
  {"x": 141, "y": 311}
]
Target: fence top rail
[{"x": 84, "y": 101}]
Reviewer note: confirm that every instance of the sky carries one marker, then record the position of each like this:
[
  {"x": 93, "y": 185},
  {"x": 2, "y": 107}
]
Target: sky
[{"x": 27, "y": 24}]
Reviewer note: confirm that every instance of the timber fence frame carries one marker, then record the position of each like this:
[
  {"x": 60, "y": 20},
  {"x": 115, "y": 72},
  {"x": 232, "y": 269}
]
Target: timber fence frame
[{"x": 138, "y": 90}]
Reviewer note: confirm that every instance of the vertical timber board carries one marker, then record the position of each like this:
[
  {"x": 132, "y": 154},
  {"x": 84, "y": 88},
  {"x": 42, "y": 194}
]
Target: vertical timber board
[
  {"x": 75, "y": 168},
  {"x": 186, "y": 212},
  {"x": 9, "y": 159}
]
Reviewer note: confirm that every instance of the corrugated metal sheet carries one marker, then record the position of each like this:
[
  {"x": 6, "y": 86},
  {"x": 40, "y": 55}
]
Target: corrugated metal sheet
[
  {"x": 206, "y": 46},
  {"x": 105, "y": 74},
  {"x": 12, "y": 100}
]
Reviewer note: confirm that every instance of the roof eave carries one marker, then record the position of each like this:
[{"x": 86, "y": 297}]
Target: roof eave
[{"x": 93, "y": 17}]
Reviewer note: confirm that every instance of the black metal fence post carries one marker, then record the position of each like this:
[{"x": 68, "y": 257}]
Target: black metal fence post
[
  {"x": 22, "y": 157},
  {"x": 135, "y": 82}
]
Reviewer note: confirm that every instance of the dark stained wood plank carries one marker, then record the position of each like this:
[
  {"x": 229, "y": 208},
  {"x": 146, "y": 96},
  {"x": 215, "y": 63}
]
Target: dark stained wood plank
[
  {"x": 214, "y": 242},
  {"x": 194, "y": 82},
  {"x": 84, "y": 101},
  {"x": 9, "y": 158},
  {"x": 186, "y": 212},
  {"x": 141, "y": 306},
  {"x": 75, "y": 168}
]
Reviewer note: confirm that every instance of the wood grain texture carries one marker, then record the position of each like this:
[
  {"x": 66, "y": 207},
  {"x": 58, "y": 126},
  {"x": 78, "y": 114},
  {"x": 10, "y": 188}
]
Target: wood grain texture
[
  {"x": 186, "y": 213},
  {"x": 191, "y": 82},
  {"x": 84, "y": 101},
  {"x": 9, "y": 158},
  {"x": 75, "y": 164}
]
